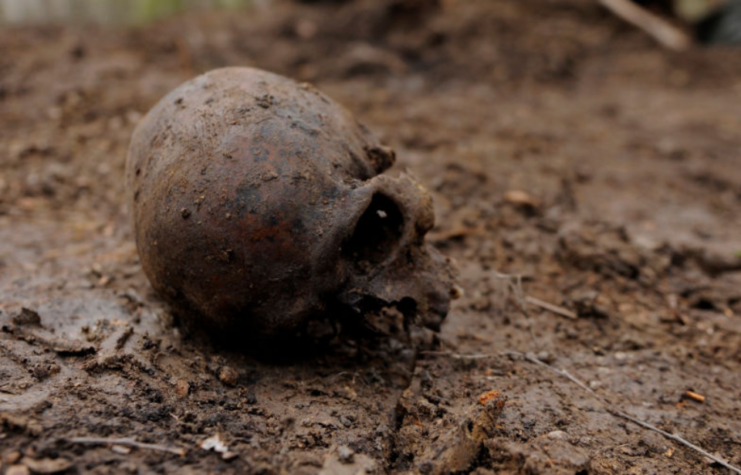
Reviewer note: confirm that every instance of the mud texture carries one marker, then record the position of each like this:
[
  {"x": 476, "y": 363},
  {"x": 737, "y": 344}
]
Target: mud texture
[{"x": 559, "y": 145}]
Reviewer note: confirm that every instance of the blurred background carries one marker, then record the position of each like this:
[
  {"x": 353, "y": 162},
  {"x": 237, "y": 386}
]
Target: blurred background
[
  {"x": 714, "y": 21},
  {"x": 102, "y": 11}
]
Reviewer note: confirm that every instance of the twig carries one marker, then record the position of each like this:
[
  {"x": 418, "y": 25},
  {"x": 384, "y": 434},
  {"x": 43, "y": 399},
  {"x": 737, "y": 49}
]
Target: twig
[
  {"x": 662, "y": 31},
  {"x": 514, "y": 283},
  {"x": 564, "y": 312},
  {"x": 127, "y": 443},
  {"x": 694, "y": 396},
  {"x": 562, "y": 372},
  {"x": 457, "y": 356},
  {"x": 606, "y": 403},
  {"x": 675, "y": 438},
  {"x": 602, "y": 399},
  {"x": 60, "y": 346}
]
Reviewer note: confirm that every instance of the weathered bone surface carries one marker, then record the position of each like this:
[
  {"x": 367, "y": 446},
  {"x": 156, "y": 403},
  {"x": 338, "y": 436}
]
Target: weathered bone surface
[{"x": 258, "y": 204}]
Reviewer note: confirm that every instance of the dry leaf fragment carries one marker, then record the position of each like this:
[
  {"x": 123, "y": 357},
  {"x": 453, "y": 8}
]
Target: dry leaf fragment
[{"x": 488, "y": 396}]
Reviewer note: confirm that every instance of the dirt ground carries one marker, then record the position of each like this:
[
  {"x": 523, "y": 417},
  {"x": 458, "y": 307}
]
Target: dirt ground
[{"x": 560, "y": 145}]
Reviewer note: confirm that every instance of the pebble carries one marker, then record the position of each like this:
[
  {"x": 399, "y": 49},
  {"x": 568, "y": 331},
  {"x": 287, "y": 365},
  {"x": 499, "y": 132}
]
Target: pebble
[
  {"x": 558, "y": 435},
  {"x": 17, "y": 470},
  {"x": 182, "y": 388},
  {"x": 228, "y": 376},
  {"x": 27, "y": 317},
  {"x": 345, "y": 454},
  {"x": 12, "y": 457},
  {"x": 120, "y": 449}
]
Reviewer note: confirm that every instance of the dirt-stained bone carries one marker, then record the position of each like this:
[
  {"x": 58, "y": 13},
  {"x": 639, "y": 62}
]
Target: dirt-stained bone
[{"x": 258, "y": 204}]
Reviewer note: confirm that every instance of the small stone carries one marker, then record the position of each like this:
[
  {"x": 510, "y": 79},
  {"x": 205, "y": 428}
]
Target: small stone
[
  {"x": 306, "y": 29},
  {"x": 12, "y": 457},
  {"x": 522, "y": 199},
  {"x": 228, "y": 376},
  {"x": 345, "y": 454},
  {"x": 121, "y": 449},
  {"x": 47, "y": 465},
  {"x": 558, "y": 435},
  {"x": 182, "y": 388},
  {"x": 27, "y": 317},
  {"x": 345, "y": 421},
  {"x": 215, "y": 443},
  {"x": 17, "y": 470}
]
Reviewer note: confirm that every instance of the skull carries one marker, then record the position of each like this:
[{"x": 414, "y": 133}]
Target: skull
[{"x": 258, "y": 205}]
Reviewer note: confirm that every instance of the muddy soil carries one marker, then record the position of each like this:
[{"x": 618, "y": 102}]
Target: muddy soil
[{"x": 562, "y": 147}]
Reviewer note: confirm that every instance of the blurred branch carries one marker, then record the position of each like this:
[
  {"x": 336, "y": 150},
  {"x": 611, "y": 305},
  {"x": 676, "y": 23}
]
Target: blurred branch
[{"x": 663, "y": 32}]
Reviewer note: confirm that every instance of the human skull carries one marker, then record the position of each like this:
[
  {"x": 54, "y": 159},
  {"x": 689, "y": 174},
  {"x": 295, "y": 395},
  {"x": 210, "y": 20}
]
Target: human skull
[{"x": 258, "y": 205}]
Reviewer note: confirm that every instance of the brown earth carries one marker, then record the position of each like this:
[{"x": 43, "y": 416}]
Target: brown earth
[{"x": 560, "y": 144}]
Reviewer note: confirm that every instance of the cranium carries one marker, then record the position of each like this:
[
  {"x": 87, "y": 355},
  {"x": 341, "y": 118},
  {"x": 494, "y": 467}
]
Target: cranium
[{"x": 258, "y": 204}]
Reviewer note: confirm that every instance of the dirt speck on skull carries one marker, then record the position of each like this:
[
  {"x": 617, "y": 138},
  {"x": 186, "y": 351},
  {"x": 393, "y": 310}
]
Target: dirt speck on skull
[{"x": 627, "y": 215}]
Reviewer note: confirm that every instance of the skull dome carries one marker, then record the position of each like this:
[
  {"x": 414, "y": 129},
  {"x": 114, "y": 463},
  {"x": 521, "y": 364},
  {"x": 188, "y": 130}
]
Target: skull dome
[{"x": 258, "y": 204}]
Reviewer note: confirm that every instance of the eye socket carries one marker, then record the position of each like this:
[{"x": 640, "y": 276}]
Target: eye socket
[{"x": 377, "y": 233}]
